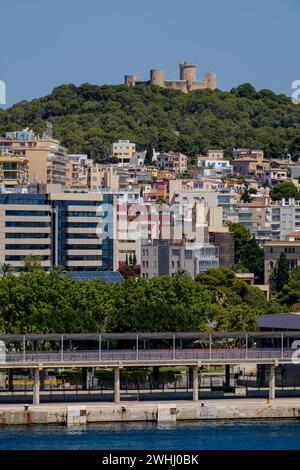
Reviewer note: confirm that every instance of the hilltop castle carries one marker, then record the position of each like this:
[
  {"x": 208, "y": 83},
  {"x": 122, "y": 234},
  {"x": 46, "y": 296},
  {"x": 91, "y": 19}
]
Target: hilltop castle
[{"x": 187, "y": 79}]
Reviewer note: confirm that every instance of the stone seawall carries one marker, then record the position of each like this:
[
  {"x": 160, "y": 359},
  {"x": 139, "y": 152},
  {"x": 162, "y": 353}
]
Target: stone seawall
[{"x": 78, "y": 414}]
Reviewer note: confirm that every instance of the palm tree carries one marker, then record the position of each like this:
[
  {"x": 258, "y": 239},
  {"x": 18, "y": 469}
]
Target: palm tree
[
  {"x": 6, "y": 269},
  {"x": 59, "y": 270},
  {"x": 32, "y": 263}
]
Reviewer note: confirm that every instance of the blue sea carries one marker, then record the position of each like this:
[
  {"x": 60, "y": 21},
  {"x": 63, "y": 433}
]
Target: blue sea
[{"x": 192, "y": 435}]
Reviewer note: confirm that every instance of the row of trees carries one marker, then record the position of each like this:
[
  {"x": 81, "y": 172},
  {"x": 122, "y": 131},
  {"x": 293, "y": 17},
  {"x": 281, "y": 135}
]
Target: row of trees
[
  {"x": 37, "y": 301},
  {"x": 88, "y": 118}
]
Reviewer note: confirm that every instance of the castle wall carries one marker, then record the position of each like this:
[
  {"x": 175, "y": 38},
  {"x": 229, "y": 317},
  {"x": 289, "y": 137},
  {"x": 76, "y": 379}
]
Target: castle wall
[
  {"x": 186, "y": 83},
  {"x": 176, "y": 85}
]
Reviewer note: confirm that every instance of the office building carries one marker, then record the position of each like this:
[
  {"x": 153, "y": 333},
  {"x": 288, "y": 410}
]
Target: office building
[{"x": 65, "y": 229}]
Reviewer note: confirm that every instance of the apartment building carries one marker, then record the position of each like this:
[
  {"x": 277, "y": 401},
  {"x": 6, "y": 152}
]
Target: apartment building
[
  {"x": 164, "y": 257},
  {"x": 126, "y": 223},
  {"x": 250, "y": 166},
  {"x": 256, "y": 216},
  {"x": 124, "y": 151},
  {"x": 243, "y": 152},
  {"x": 214, "y": 168},
  {"x": 76, "y": 171},
  {"x": 285, "y": 217},
  {"x": 213, "y": 164},
  {"x": 173, "y": 161},
  {"x": 224, "y": 242},
  {"x": 45, "y": 156},
  {"x": 273, "y": 250},
  {"x": 102, "y": 176},
  {"x": 13, "y": 170},
  {"x": 273, "y": 176}
]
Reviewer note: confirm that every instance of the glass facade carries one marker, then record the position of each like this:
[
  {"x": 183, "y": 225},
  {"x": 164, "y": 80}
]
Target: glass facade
[{"x": 56, "y": 231}]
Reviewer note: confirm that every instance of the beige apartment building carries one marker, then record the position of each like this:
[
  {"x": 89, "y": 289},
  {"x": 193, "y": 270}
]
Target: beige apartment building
[
  {"x": 76, "y": 171},
  {"x": 172, "y": 161},
  {"x": 46, "y": 157},
  {"x": 13, "y": 170},
  {"x": 101, "y": 176},
  {"x": 124, "y": 151}
]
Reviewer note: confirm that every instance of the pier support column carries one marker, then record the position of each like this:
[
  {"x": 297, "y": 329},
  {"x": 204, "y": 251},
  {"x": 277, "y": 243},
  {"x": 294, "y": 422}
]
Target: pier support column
[
  {"x": 190, "y": 376},
  {"x": 227, "y": 375},
  {"x": 155, "y": 376},
  {"x": 10, "y": 380},
  {"x": 272, "y": 383},
  {"x": 36, "y": 387},
  {"x": 195, "y": 384},
  {"x": 84, "y": 378},
  {"x": 117, "y": 385},
  {"x": 42, "y": 379}
]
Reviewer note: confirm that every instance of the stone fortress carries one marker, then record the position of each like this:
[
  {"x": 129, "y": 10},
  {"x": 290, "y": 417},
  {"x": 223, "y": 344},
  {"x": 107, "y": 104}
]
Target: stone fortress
[{"x": 187, "y": 79}]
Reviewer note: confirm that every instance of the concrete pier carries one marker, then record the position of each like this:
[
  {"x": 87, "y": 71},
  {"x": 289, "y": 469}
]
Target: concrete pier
[{"x": 83, "y": 413}]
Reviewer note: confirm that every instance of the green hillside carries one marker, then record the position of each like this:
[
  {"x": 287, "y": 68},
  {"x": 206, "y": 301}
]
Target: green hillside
[{"x": 89, "y": 118}]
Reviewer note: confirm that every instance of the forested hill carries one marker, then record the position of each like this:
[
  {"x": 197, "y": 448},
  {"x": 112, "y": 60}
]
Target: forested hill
[{"x": 88, "y": 118}]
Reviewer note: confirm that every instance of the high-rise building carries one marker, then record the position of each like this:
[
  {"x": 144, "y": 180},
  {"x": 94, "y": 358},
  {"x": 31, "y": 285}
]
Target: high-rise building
[{"x": 64, "y": 229}]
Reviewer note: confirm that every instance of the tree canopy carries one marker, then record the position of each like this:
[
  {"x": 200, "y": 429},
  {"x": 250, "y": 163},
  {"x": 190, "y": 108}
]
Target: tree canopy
[
  {"x": 247, "y": 252},
  {"x": 40, "y": 302},
  {"x": 88, "y": 118},
  {"x": 285, "y": 189}
]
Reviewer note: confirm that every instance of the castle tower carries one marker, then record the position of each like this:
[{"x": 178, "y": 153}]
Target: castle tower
[
  {"x": 157, "y": 77},
  {"x": 211, "y": 80},
  {"x": 130, "y": 80},
  {"x": 187, "y": 71}
]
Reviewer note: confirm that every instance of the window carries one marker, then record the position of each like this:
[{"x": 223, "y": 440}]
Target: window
[
  {"x": 27, "y": 213},
  {"x": 27, "y": 224},
  {"x": 27, "y": 235},
  {"x": 82, "y": 214},
  {"x": 84, "y": 246},
  {"x": 25, "y": 246},
  {"x": 84, "y": 258}
]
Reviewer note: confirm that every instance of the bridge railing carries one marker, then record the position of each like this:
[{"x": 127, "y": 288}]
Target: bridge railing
[{"x": 147, "y": 355}]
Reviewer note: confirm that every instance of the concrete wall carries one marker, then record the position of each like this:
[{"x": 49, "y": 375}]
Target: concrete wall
[{"x": 56, "y": 414}]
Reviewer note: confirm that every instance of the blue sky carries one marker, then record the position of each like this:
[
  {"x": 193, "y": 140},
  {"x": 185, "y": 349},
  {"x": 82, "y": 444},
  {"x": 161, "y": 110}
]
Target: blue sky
[{"x": 45, "y": 43}]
